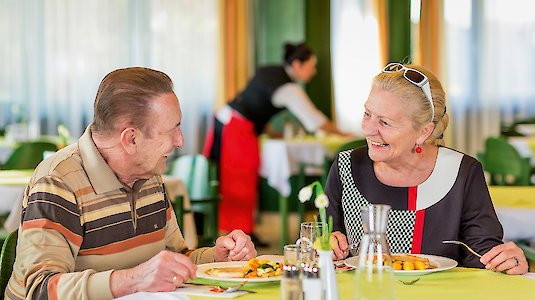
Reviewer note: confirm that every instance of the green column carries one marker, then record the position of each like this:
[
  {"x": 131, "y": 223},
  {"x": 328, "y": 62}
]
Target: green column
[
  {"x": 318, "y": 36},
  {"x": 399, "y": 28}
]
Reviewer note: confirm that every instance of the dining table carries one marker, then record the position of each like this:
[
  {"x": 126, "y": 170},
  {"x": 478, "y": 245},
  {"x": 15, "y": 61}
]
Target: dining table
[
  {"x": 282, "y": 158},
  {"x": 515, "y": 208},
  {"x": 13, "y": 183},
  {"x": 456, "y": 283}
]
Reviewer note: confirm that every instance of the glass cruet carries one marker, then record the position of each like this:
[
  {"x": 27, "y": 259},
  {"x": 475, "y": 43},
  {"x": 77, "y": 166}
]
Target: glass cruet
[{"x": 374, "y": 275}]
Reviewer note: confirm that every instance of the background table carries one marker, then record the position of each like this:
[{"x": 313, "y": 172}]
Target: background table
[
  {"x": 13, "y": 183},
  {"x": 282, "y": 158},
  {"x": 515, "y": 207},
  {"x": 176, "y": 187}
]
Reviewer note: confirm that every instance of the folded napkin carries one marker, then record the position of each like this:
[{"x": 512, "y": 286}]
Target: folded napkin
[
  {"x": 183, "y": 293},
  {"x": 201, "y": 290}
]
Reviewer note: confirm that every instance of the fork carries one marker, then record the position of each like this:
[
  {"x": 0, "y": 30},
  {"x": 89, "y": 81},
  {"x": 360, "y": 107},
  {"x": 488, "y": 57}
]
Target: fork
[
  {"x": 409, "y": 282},
  {"x": 235, "y": 288},
  {"x": 461, "y": 243}
]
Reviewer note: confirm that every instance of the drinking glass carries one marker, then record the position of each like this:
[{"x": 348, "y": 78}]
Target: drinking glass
[
  {"x": 292, "y": 255},
  {"x": 374, "y": 275},
  {"x": 308, "y": 233}
]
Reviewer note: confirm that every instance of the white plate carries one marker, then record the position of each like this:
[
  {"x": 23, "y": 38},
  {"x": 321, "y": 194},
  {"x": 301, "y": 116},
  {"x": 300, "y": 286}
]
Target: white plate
[
  {"x": 201, "y": 270},
  {"x": 441, "y": 263}
]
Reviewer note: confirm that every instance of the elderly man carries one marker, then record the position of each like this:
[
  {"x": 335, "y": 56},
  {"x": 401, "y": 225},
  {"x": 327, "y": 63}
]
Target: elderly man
[{"x": 96, "y": 222}]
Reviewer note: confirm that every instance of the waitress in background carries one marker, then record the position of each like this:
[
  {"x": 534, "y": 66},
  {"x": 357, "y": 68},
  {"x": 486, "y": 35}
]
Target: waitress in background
[{"x": 233, "y": 141}]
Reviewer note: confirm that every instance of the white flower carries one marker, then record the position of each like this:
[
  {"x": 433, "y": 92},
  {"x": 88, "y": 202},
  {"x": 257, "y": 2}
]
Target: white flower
[
  {"x": 305, "y": 194},
  {"x": 321, "y": 201}
]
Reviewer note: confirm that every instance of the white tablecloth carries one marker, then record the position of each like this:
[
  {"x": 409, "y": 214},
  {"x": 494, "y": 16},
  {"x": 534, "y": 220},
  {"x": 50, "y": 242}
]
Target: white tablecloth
[
  {"x": 175, "y": 187},
  {"x": 518, "y": 223},
  {"x": 281, "y": 159},
  {"x": 5, "y": 151}
]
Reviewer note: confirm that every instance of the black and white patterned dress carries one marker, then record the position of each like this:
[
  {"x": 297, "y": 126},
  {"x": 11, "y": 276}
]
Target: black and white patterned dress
[{"x": 453, "y": 203}]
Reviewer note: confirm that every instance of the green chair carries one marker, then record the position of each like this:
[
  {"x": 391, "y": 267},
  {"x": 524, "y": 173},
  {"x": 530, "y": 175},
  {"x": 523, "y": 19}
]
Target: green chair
[
  {"x": 529, "y": 252},
  {"x": 200, "y": 178},
  {"x": 27, "y": 155},
  {"x": 356, "y": 143},
  {"x": 178, "y": 207},
  {"x": 7, "y": 259},
  {"x": 503, "y": 163}
]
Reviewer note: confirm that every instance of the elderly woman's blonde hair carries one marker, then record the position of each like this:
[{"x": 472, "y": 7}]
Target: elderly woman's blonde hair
[{"x": 413, "y": 97}]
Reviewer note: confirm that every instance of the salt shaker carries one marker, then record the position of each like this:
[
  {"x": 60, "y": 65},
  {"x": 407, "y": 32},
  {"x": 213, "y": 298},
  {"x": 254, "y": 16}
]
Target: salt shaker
[
  {"x": 291, "y": 287},
  {"x": 312, "y": 287}
]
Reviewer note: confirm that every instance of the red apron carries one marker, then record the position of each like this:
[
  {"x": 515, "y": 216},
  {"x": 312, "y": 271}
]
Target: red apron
[{"x": 238, "y": 174}]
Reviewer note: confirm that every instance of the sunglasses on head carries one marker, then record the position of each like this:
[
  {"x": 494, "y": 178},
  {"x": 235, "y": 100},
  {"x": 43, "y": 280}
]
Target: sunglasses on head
[{"x": 415, "y": 77}]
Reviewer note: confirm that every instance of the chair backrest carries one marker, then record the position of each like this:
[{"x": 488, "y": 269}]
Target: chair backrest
[
  {"x": 7, "y": 259},
  {"x": 27, "y": 155},
  {"x": 529, "y": 252},
  {"x": 198, "y": 174},
  {"x": 356, "y": 143},
  {"x": 200, "y": 178},
  {"x": 503, "y": 163}
]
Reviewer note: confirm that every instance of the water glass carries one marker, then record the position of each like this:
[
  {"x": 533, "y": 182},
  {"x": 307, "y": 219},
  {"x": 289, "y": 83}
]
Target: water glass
[
  {"x": 309, "y": 232},
  {"x": 292, "y": 255}
]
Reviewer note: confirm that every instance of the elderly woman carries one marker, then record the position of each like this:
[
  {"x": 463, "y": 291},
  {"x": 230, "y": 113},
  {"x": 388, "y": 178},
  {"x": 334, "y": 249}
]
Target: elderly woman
[{"x": 436, "y": 193}]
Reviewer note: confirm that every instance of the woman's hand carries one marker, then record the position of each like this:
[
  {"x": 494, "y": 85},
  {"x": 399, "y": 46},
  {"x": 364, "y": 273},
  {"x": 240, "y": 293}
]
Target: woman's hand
[
  {"x": 508, "y": 258},
  {"x": 339, "y": 245}
]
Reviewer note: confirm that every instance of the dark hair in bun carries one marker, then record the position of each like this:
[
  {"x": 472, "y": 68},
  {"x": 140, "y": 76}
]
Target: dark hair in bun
[{"x": 300, "y": 52}]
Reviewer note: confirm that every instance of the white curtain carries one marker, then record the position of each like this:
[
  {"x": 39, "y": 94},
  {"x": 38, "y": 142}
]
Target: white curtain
[
  {"x": 355, "y": 59},
  {"x": 491, "y": 67},
  {"x": 54, "y": 53}
]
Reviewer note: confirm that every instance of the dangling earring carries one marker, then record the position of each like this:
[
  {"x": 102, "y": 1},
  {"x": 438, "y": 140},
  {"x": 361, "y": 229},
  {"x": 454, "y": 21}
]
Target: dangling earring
[{"x": 418, "y": 149}]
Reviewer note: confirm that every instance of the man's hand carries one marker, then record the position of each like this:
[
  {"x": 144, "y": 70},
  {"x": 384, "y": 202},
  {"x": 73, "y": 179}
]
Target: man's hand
[
  {"x": 508, "y": 258},
  {"x": 338, "y": 242},
  {"x": 235, "y": 246},
  {"x": 162, "y": 273}
]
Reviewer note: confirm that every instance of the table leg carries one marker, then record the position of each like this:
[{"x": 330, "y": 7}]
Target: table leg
[{"x": 283, "y": 212}]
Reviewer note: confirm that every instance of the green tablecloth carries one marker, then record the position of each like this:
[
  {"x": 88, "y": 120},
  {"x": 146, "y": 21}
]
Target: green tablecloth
[{"x": 458, "y": 283}]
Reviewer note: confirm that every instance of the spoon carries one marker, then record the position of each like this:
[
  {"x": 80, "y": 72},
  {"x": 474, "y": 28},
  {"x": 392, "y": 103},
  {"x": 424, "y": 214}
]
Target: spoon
[{"x": 409, "y": 282}]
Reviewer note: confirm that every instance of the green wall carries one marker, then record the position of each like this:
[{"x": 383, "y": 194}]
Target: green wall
[
  {"x": 280, "y": 21},
  {"x": 277, "y": 22}
]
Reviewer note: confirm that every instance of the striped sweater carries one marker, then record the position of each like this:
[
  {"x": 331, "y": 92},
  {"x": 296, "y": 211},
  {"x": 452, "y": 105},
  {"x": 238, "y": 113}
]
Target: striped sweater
[{"x": 79, "y": 223}]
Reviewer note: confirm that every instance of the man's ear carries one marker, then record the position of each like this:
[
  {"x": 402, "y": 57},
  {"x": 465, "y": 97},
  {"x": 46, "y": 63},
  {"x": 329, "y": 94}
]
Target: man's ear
[{"x": 128, "y": 140}]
